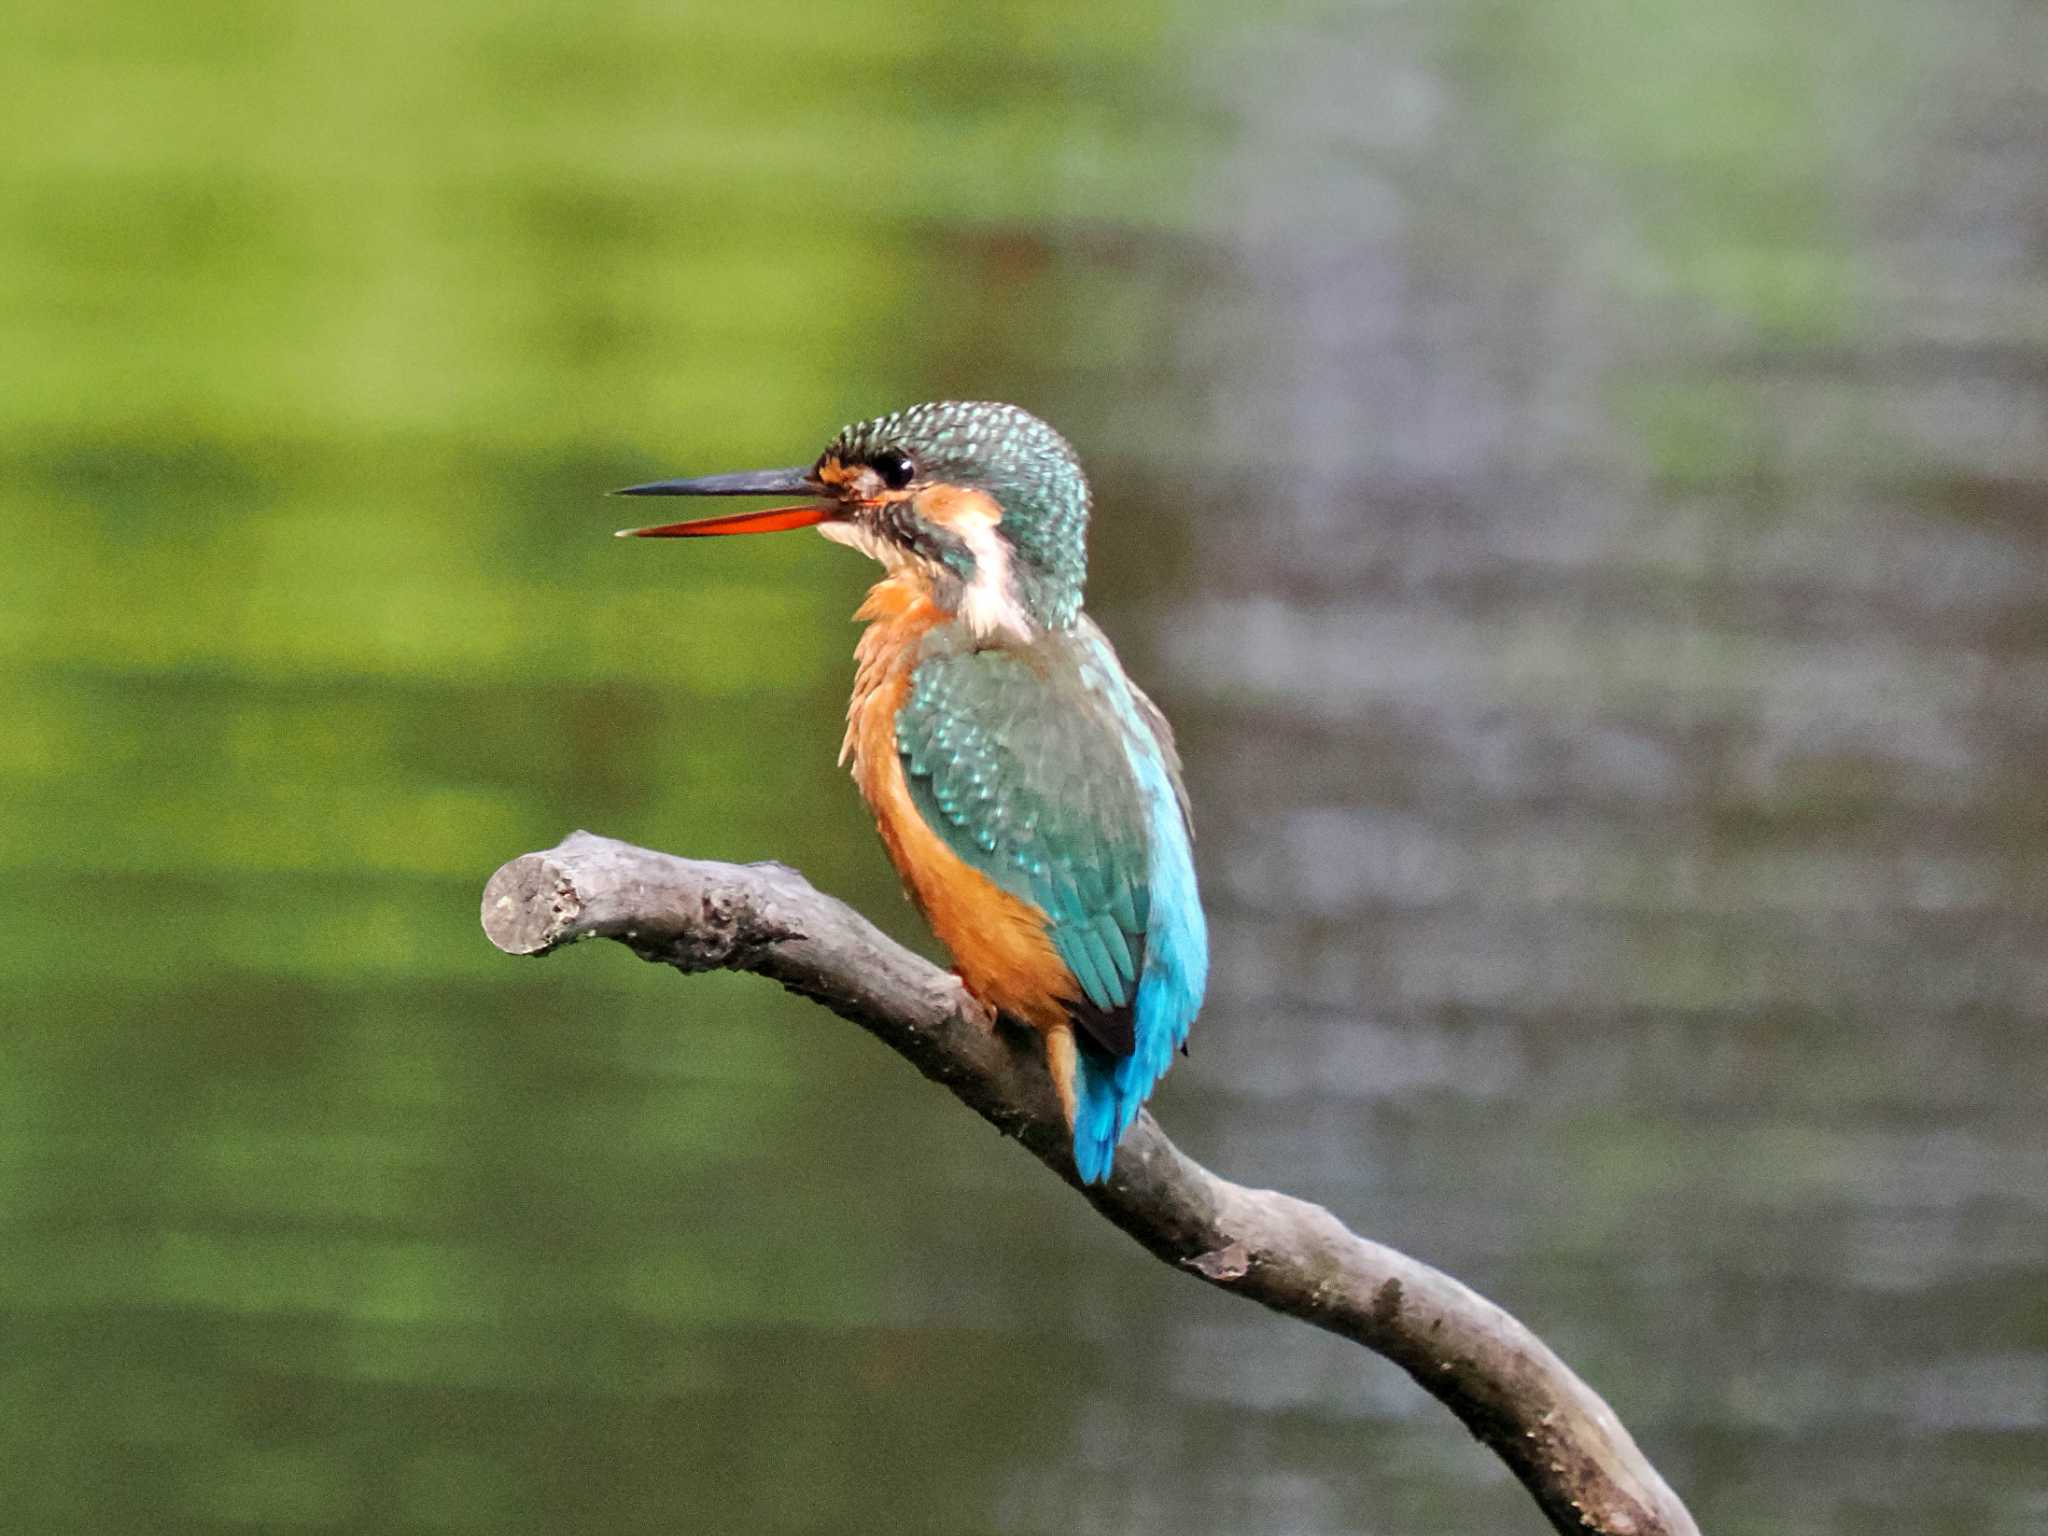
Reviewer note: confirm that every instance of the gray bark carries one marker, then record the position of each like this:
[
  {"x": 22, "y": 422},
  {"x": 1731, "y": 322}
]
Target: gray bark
[{"x": 1554, "y": 1432}]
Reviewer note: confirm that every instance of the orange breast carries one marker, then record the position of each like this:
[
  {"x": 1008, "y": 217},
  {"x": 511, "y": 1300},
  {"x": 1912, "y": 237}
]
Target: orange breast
[{"x": 997, "y": 941}]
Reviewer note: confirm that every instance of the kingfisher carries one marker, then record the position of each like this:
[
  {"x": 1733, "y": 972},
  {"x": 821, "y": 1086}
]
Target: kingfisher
[{"x": 1026, "y": 790}]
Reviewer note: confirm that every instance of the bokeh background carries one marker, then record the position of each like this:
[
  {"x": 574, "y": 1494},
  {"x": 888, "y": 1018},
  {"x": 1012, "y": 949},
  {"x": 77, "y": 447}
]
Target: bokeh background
[{"x": 1575, "y": 473}]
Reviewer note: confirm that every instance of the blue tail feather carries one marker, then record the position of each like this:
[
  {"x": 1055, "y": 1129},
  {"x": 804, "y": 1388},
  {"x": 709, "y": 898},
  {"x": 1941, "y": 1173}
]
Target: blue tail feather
[{"x": 1099, "y": 1119}]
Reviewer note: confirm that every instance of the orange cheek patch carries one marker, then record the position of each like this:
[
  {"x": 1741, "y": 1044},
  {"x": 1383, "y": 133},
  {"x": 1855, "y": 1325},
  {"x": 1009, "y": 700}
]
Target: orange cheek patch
[{"x": 950, "y": 506}]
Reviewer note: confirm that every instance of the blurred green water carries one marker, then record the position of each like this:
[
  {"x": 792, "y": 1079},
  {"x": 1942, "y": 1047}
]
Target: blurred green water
[{"x": 1620, "y": 814}]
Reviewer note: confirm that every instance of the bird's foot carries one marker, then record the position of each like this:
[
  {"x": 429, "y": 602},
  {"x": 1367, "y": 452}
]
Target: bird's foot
[{"x": 974, "y": 1008}]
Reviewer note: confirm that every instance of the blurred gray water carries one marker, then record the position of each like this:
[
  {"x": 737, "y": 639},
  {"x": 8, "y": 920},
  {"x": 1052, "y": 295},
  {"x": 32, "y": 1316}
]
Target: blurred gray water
[{"x": 1576, "y": 480}]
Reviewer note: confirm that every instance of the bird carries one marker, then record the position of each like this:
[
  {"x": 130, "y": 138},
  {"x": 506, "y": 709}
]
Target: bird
[{"x": 1027, "y": 791}]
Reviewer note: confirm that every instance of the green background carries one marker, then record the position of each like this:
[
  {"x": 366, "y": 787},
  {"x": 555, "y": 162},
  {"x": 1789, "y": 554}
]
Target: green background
[{"x": 1574, "y": 472}]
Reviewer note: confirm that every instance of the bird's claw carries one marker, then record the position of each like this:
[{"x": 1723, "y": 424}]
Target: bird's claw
[{"x": 974, "y": 1008}]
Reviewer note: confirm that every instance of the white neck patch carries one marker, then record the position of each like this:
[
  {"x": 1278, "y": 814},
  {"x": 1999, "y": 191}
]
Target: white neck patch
[{"x": 988, "y": 605}]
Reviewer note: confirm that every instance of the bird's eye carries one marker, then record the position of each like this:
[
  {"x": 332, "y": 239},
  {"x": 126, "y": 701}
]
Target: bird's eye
[{"x": 896, "y": 469}]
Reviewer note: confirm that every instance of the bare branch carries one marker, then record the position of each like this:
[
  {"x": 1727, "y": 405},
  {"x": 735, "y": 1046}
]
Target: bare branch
[{"x": 1556, "y": 1435}]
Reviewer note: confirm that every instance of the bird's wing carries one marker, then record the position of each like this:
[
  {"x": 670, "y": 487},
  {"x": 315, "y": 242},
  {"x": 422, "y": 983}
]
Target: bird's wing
[{"x": 1020, "y": 763}]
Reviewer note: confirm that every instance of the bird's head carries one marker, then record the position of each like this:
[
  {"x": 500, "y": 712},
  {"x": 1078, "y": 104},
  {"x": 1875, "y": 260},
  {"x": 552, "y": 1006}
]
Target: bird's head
[{"x": 983, "y": 503}]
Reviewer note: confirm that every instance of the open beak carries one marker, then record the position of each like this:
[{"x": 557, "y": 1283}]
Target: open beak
[{"x": 750, "y": 482}]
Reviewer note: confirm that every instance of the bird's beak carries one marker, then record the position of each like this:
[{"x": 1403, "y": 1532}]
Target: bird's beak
[{"x": 750, "y": 482}]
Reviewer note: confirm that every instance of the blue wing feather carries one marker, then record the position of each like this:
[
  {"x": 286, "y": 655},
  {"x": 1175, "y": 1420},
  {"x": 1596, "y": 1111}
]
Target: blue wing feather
[{"x": 1170, "y": 989}]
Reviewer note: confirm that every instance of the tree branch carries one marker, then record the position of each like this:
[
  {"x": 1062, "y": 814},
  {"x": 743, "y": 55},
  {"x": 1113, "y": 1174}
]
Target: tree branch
[{"x": 1556, "y": 1435}]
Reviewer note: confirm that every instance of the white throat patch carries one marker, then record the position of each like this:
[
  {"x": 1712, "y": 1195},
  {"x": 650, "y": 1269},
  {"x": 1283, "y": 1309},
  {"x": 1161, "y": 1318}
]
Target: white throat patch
[{"x": 863, "y": 538}]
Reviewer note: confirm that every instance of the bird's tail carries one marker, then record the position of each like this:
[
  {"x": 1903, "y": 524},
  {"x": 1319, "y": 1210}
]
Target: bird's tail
[
  {"x": 1108, "y": 1091},
  {"x": 1100, "y": 1114}
]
